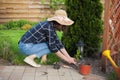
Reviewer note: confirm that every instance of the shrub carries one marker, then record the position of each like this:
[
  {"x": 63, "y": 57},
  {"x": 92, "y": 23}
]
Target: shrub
[
  {"x": 26, "y": 26},
  {"x": 87, "y": 27},
  {"x": 56, "y": 4},
  {"x": 16, "y": 25},
  {"x": 2, "y": 27},
  {"x": 23, "y": 22},
  {"x": 12, "y": 25}
]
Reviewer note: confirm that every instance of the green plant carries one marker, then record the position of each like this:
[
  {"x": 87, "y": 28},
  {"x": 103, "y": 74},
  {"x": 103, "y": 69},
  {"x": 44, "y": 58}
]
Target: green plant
[
  {"x": 18, "y": 59},
  {"x": 88, "y": 26},
  {"x": 78, "y": 55},
  {"x": 16, "y": 25},
  {"x": 5, "y": 51},
  {"x": 26, "y": 26},
  {"x": 11, "y": 24},
  {"x": 112, "y": 76},
  {"x": 8, "y": 46},
  {"x": 23, "y": 22},
  {"x": 2, "y": 27},
  {"x": 56, "y": 4},
  {"x": 52, "y": 58},
  {"x": 59, "y": 34}
]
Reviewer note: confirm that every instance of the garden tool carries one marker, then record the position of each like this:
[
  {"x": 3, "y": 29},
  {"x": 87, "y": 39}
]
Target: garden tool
[
  {"x": 64, "y": 64},
  {"x": 106, "y": 53}
]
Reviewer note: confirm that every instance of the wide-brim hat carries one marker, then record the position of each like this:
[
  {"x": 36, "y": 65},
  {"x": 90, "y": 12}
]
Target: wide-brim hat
[{"x": 61, "y": 17}]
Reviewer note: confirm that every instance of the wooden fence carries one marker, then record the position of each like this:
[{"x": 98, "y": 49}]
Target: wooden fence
[
  {"x": 32, "y": 10},
  {"x": 111, "y": 36}
]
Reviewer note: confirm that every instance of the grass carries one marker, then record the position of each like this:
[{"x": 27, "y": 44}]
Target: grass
[{"x": 13, "y": 37}]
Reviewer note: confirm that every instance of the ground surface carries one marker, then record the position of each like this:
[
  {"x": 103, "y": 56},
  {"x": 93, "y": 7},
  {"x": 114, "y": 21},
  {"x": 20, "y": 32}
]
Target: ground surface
[
  {"x": 95, "y": 64},
  {"x": 45, "y": 72}
]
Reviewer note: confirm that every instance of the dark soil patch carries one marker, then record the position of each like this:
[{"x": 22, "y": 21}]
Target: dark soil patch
[{"x": 4, "y": 62}]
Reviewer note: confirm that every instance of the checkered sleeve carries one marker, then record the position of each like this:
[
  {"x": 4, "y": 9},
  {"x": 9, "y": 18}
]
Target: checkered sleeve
[
  {"x": 58, "y": 43},
  {"x": 53, "y": 41}
]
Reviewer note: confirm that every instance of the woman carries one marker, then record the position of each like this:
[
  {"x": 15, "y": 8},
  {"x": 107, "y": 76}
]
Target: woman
[{"x": 42, "y": 39}]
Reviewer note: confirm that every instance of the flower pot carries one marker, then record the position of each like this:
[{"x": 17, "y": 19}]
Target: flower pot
[{"x": 84, "y": 69}]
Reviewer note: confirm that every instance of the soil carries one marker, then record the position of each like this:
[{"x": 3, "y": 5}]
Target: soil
[{"x": 4, "y": 62}]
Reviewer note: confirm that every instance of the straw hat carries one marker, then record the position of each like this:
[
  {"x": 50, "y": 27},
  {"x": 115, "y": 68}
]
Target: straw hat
[{"x": 61, "y": 17}]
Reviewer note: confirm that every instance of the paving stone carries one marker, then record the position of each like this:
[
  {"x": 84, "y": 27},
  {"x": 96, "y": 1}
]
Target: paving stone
[
  {"x": 93, "y": 77},
  {"x": 17, "y": 73},
  {"x": 45, "y": 72}
]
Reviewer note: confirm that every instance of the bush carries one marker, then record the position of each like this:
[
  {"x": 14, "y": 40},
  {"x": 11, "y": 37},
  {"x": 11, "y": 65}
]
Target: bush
[
  {"x": 87, "y": 26},
  {"x": 26, "y": 26},
  {"x": 16, "y": 25},
  {"x": 12, "y": 25},
  {"x": 23, "y": 22},
  {"x": 2, "y": 27}
]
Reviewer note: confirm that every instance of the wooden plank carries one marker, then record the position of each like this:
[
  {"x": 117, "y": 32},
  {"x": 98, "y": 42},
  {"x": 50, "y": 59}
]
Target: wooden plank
[
  {"x": 12, "y": 6},
  {"x": 105, "y": 34},
  {"x": 35, "y": 20},
  {"x": 7, "y": 20},
  {"x": 27, "y": 11},
  {"x": 38, "y": 6},
  {"x": 24, "y": 9},
  {"x": 24, "y": 1},
  {"x": 22, "y": 6},
  {"x": 22, "y": 15},
  {"x": 11, "y": 15},
  {"x": 12, "y": 11}
]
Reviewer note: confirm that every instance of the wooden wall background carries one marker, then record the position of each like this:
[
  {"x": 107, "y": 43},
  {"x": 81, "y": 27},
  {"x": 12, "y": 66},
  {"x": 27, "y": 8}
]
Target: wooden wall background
[{"x": 32, "y": 10}]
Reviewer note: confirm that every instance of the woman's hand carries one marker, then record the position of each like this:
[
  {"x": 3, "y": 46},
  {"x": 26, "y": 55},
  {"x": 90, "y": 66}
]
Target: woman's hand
[
  {"x": 72, "y": 60},
  {"x": 66, "y": 57}
]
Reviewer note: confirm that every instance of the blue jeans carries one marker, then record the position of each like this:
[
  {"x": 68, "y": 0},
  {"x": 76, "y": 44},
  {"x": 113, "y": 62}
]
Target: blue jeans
[{"x": 37, "y": 49}]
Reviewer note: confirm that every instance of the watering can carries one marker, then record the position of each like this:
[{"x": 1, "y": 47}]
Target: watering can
[{"x": 106, "y": 53}]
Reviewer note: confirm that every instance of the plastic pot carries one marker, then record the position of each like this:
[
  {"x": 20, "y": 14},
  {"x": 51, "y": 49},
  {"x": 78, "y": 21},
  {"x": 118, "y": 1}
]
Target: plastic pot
[{"x": 85, "y": 69}]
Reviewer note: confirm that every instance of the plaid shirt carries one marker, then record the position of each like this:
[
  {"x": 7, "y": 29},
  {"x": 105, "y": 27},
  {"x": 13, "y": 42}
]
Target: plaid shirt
[{"x": 43, "y": 32}]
